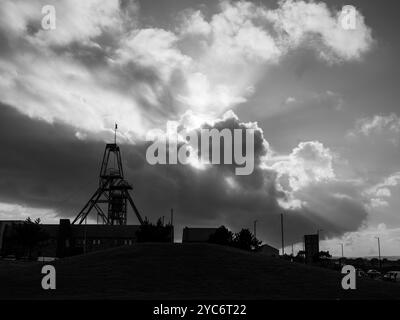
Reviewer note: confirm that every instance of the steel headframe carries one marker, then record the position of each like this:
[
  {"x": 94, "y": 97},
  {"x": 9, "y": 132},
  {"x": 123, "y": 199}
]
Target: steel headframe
[{"x": 113, "y": 191}]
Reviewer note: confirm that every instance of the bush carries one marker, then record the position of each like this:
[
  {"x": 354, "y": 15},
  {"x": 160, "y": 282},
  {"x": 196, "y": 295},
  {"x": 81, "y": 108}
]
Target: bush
[
  {"x": 243, "y": 240},
  {"x": 222, "y": 236},
  {"x": 149, "y": 232},
  {"x": 246, "y": 240},
  {"x": 29, "y": 235}
]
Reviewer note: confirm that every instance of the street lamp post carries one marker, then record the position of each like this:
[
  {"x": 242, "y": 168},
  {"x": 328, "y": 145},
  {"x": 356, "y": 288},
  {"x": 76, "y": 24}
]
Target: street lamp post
[
  {"x": 85, "y": 237},
  {"x": 318, "y": 232},
  {"x": 172, "y": 226},
  {"x": 283, "y": 241},
  {"x": 379, "y": 252},
  {"x": 342, "y": 250}
]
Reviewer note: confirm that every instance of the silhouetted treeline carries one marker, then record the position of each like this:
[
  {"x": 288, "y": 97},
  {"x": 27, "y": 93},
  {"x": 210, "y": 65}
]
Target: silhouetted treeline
[
  {"x": 243, "y": 240},
  {"x": 26, "y": 237},
  {"x": 149, "y": 232}
]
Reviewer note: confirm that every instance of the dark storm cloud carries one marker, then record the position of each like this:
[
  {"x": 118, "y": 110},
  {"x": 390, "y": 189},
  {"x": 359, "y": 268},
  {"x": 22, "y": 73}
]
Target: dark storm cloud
[
  {"x": 42, "y": 164},
  {"x": 46, "y": 166}
]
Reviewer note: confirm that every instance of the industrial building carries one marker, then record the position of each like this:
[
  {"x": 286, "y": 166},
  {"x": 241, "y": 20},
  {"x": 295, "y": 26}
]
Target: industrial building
[
  {"x": 66, "y": 239},
  {"x": 311, "y": 246},
  {"x": 197, "y": 234},
  {"x": 267, "y": 250}
]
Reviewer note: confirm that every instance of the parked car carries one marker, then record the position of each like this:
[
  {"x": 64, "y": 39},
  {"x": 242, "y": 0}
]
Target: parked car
[
  {"x": 10, "y": 257},
  {"x": 46, "y": 259},
  {"x": 393, "y": 276},
  {"x": 361, "y": 274},
  {"x": 374, "y": 274}
]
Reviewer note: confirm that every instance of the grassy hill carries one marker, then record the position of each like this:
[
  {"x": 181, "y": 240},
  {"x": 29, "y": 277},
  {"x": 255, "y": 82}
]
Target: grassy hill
[{"x": 183, "y": 271}]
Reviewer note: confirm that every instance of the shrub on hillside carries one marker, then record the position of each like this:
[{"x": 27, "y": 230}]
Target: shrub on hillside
[
  {"x": 28, "y": 236},
  {"x": 243, "y": 240},
  {"x": 222, "y": 236},
  {"x": 246, "y": 240},
  {"x": 149, "y": 232}
]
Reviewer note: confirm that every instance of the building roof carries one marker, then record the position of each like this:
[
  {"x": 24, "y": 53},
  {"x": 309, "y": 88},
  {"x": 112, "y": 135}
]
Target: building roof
[
  {"x": 104, "y": 231},
  {"x": 91, "y": 230},
  {"x": 197, "y": 234},
  {"x": 268, "y": 247}
]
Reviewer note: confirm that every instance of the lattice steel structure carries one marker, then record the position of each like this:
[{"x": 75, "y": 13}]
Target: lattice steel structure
[{"x": 112, "y": 197}]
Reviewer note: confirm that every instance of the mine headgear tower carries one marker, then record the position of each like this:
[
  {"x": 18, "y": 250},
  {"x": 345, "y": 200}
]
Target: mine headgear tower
[{"x": 112, "y": 196}]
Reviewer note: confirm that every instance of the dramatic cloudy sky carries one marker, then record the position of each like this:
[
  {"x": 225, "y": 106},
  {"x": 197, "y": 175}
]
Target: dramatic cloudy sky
[{"x": 322, "y": 100}]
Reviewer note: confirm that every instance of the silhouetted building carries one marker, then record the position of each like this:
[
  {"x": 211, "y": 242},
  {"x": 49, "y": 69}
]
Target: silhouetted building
[
  {"x": 267, "y": 250},
  {"x": 5, "y": 226},
  {"x": 197, "y": 234},
  {"x": 66, "y": 239},
  {"x": 311, "y": 246}
]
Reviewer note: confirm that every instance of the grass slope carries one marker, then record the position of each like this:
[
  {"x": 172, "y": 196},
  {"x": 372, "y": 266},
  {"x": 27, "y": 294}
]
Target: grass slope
[{"x": 183, "y": 271}]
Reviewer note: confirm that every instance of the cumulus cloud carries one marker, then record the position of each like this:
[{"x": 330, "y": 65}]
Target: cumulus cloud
[
  {"x": 299, "y": 21},
  {"x": 380, "y": 193},
  {"x": 303, "y": 184},
  {"x": 153, "y": 48},
  {"x": 307, "y": 179},
  {"x": 309, "y": 162},
  {"x": 194, "y": 23},
  {"x": 378, "y": 124},
  {"x": 101, "y": 65}
]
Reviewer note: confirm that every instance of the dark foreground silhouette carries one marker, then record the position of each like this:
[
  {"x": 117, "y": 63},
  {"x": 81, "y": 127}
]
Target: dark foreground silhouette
[{"x": 183, "y": 271}]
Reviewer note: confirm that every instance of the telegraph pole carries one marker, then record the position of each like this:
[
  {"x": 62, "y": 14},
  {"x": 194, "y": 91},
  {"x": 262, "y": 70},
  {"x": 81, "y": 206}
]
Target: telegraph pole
[
  {"x": 255, "y": 228},
  {"x": 379, "y": 252},
  {"x": 172, "y": 225},
  {"x": 115, "y": 133},
  {"x": 85, "y": 237},
  {"x": 283, "y": 242},
  {"x": 319, "y": 232},
  {"x": 342, "y": 250}
]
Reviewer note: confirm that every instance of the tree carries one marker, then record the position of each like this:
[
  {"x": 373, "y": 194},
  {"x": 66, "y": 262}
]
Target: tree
[
  {"x": 374, "y": 262},
  {"x": 30, "y": 234},
  {"x": 148, "y": 232},
  {"x": 359, "y": 262},
  {"x": 222, "y": 236},
  {"x": 246, "y": 240}
]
